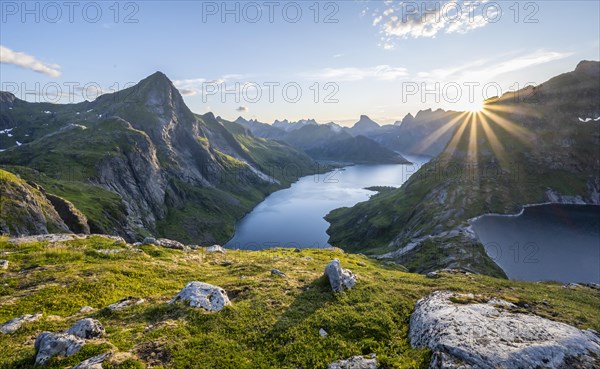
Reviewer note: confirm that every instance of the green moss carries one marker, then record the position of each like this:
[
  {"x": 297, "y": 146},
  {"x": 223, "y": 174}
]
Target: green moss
[{"x": 273, "y": 322}]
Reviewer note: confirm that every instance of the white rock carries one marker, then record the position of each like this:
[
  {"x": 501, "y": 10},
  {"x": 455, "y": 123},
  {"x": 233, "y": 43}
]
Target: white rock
[
  {"x": 86, "y": 309},
  {"x": 339, "y": 278},
  {"x": 204, "y": 295},
  {"x": 355, "y": 362},
  {"x": 87, "y": 328},
  {"x": 483, "y": 335},
  {"x": 14, "y": 324},
  {"x": 93, "y": 362},
  {"x": 125, "y": 303},
  {"x": 49, "y": 344},
  {"x": 322, "y": 332},
  {"x": 216, "y": 248},
  {"x": 170, "y": 244},
  {"x": 4, "y": 264},
  {"x": 150, "y": 241}
]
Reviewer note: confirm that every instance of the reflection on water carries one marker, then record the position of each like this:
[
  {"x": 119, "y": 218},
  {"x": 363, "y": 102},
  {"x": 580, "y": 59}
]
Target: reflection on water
[
  {"x": 546, "y": 242},
  {"x": 294, "y": 217}
]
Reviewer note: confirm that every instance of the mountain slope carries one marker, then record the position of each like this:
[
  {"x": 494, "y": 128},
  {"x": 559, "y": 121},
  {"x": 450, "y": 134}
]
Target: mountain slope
[
  {"x": 526, "y": 147},
  {"x": 174, "y": 173}
]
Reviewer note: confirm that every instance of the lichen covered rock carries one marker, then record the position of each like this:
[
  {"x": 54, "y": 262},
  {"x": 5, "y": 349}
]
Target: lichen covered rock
[
  {"x": 204, "y": 295},
  {"x": 490, "y": 335}
]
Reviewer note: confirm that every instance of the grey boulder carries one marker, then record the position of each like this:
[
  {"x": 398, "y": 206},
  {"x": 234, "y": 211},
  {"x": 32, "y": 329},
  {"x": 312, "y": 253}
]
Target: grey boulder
[
  {"x": 4, "y": 264},
  {"x": 49, "y": 344},
  {"x": 87, "y": 328},
  {"x": 14, "y": 324},
  {"x": 204, "y": 295},
  {"x": 488, "y": 335},
  {"x": 339, "y": 278}
]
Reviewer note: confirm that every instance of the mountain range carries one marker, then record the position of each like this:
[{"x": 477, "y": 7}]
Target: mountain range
[
  {"x": 136, "y": 163},
  {"x": 327, "y": 142},
  {"x": 536, "y": 145}
]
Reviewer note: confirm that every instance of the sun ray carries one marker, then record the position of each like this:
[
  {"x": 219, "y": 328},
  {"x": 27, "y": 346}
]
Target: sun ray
[
  {"x": 495, "y": 143},
  {"x": 522, "y": 134},
  {"x": 456, "y": 138},
  {"x": 473, "y": 138},
  {"x": 433, "y": 137},
  {"x": 515, "y": 109}
]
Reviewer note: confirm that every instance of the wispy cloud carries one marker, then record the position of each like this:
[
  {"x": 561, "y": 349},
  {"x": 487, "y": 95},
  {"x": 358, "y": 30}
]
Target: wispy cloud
[
  {"x": 194, "y": 86},
  {"x": 487, "y": 69},
  {"x": 8, "y": 56},
  {"x": 402, "y": 20},
  {"x": 380, "y": 72}
]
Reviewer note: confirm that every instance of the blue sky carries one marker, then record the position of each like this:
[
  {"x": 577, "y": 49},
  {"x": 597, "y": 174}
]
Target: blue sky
[{"x": 346, "y": 59}]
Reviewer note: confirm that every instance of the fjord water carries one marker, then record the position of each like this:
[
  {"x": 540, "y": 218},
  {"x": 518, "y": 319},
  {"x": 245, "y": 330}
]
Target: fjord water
[
  {"x": 293, "y": 217},
  {"x": 546, "y": 242}
]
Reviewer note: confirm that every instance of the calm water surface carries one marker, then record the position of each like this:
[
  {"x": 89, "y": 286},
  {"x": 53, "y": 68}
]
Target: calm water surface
[
  {"x": 293, "y": 217},
  {"x": 546, "y": 242}
]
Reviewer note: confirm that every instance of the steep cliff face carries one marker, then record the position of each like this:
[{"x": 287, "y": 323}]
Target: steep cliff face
[
  {"x": 174, "y": 173},
  {"x": 24, "y": 210},
  {"x": 535, "y": 145}
]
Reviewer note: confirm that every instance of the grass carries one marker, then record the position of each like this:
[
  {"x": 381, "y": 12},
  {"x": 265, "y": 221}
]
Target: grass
[{"x": 273, "y": 321}]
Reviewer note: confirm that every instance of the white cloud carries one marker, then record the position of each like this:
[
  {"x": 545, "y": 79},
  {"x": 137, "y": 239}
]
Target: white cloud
[
  {"x": 8, "y": 56},
  {"x": 187, "y": 92},
  {"x": 380, "y": 72},
  {"x": 486, "y": 69},
  {"x": 427, "y": 19},
  {"x": 194, "y": 86}
]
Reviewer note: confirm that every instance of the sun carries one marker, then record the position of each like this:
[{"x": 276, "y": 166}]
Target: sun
[{"x": 473, "y": 107}]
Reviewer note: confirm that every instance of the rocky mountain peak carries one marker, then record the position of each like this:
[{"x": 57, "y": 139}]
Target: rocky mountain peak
[
  {"x": 7, "y": 97},
  {"x": 365, "y": 122},
  {"x": 588, "y": 67}
]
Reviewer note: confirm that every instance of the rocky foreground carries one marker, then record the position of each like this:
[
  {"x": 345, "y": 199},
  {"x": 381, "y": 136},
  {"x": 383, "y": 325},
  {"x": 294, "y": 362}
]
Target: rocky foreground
[{"x": 91, "y": 302}]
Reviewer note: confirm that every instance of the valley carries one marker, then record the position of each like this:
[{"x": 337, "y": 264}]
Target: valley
[{"x": 300, "y": 185}]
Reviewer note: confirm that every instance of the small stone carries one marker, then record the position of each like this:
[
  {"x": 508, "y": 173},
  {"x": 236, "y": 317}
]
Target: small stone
[
  {"x": 355, "y": 362},
  {"x": 226, "y": 263},
  {"x": 4, "y": 264},
  {"x": 87, "y": 329},
  {"x": 125, "y": 303},
  {"x": 150, "y": 241},
  {"x": 322, "y": 332},
  {"x": 216, "y": 248},
  {"x": 277, "y": 272},
  {"x": 432, "y": 275},
  {"x": 137, "y": 244},
  {"x": 14, "y": 324},
  {"x": 297, "y": 250},
  {"x": 170, "y": 244},
  {"x": 93, "y": 362},
  {"x": 86, "y": 309},
  {"x": 204, "y": 295}
]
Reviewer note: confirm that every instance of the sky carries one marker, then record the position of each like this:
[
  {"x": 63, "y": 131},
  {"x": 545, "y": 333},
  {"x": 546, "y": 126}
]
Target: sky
[{"x": 267, "y": 60}]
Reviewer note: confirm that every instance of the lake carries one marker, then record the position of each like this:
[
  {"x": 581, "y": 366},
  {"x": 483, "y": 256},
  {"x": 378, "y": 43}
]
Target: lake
[
  {"x": 293, "y": 217},
  {"x": 546, "y": 242}
]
